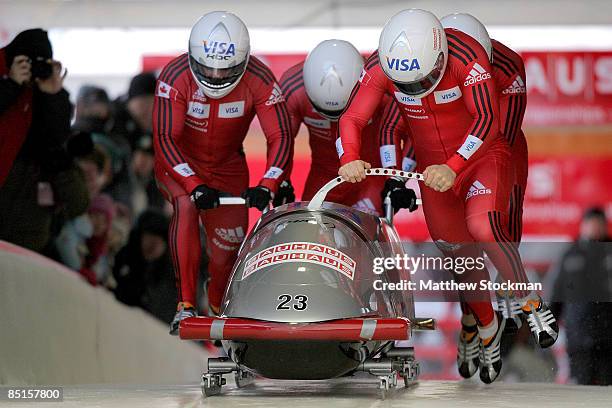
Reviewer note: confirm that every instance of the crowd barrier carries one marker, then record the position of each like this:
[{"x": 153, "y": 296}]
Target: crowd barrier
[{"x": 57, "y": 329}]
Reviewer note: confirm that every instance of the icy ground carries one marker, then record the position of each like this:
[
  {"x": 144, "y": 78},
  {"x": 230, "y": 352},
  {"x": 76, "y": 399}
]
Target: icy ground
[{"x": 344, "y": 393}]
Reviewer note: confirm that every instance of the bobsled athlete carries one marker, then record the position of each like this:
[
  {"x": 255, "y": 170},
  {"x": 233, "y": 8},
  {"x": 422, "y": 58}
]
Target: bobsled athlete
[
  {"x": 509, "y": 76},
  {"x": 316, "y": 91},
  {"x": 204, "y": 103},
  {"x": 510, "y": 80},
  {"x": 442, "y": 82}
]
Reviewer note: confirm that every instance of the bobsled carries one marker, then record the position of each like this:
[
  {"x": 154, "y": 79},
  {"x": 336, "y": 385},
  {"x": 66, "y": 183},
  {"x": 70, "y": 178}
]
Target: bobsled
[{"x": 301, "y": 304}]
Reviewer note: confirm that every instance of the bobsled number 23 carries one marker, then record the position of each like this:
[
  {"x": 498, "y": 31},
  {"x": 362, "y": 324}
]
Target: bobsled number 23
[{"x": 301, "y": 252}]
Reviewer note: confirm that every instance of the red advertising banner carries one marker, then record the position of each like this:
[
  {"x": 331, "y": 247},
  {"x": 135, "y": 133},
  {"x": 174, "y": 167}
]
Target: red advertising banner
[
  {"x": 560, "y": 189},
  {"x": 568, "y": 88}
]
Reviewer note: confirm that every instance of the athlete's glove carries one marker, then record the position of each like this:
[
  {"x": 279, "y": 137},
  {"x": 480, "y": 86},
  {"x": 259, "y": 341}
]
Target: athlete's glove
[
  {"x": 285, "y": 194},
  {"x": 258, "y": 197},
  {"x": 205, "y": 197},
  {"x": 401, "y": 196}
]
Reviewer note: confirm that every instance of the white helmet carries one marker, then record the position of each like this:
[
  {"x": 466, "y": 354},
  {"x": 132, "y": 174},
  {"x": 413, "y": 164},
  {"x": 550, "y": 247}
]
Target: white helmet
[
  {"x": 412, "y": 51},
  {"x": 219, "y": 48},
  {"x": 330, "y": 72},
  {"x": 471, "y": 26}
]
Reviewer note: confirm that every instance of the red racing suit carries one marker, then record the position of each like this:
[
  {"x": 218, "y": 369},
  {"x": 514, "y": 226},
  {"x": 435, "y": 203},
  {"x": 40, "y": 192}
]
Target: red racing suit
[
  {"x": 324, "y": 142},
  {"x": 510, "y": 78},
  {"x": 198, "y": 140},
  {"x": 457, "y": 124}
]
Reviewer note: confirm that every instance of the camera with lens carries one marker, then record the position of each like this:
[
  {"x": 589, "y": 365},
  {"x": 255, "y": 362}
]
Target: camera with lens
[{"x": 41, "y": 68}]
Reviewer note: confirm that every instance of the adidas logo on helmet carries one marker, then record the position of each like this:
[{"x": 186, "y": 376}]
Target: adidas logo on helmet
[{"x": 477, "y": 74}]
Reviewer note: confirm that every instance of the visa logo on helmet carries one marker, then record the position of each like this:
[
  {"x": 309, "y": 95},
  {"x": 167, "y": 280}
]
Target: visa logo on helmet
[
  {"x": 219, "y": 50},
  {"x": 403, "y": 65}
]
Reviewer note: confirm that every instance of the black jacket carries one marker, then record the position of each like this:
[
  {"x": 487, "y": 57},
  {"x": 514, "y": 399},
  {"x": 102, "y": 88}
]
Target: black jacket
[
  {"x": 42, "y": 159},
  {"x": 149, "y": 285},
  {"x": 582, "y": 294},
  {"x": 9, "y": 91}
]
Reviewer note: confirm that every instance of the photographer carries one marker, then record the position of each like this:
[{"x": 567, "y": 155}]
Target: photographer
[{"x": 38, "y": 180}]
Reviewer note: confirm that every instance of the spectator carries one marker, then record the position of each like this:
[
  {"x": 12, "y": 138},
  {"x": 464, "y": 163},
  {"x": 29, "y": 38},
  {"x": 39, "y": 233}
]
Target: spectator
[
  {"x": 145, "y": 193},
  {"x": 129, "y": 134},
  {"x": 143, "y": 268},
  {"x": 132, "y": 113},
  {"x": 71, "y": 243},
  {"x": 92, "y": 160},
  {"x": 582, "y": 294},
  {"x": 93, "y": 116},
  {"x": 92, "y": 110},
  {"x": 95, "y": 267},
  {"x": 38, "y": 179}
]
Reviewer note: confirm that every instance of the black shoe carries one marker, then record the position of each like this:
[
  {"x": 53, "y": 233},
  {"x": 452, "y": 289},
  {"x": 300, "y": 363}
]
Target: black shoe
[
  {"x": 490, "y": 353},
  {"x": 468, "y": 351},
  {"x": 542, "y": 323},
  {"x": 511, "y": 310}
]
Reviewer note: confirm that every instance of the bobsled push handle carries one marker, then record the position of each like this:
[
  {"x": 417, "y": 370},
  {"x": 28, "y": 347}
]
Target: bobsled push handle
[
  {"x": 319, "y": 197},
  {"x": 231, "y": 201},
  {"x": 227, "y": 200}
]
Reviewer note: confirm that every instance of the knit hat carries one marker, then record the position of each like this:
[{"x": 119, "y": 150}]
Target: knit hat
[
  {"x": 142, "y": 84},
  {"x": 594, "y": 212},
  {"x": 153, "y": 222},
  {"x": 80, "y": 144},
  {"x": 33, "y": 43},
  {"x": 92, "y": 94},
  {"x": 103, "y": 204},
  {"x": 144, "y": 144}
]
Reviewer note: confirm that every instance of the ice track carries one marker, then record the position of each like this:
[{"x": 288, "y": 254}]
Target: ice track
[{"x": 336, "y": 394}]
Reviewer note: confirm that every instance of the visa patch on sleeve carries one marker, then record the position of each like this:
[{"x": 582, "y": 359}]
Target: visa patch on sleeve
[
  {"x": 469, "y": 147},
  {"x": 388, "y": 155},
  {"x": 273, "y": 173},
  {"x": 339, "y": 148},
  {"x": 184, "y": 170}
]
